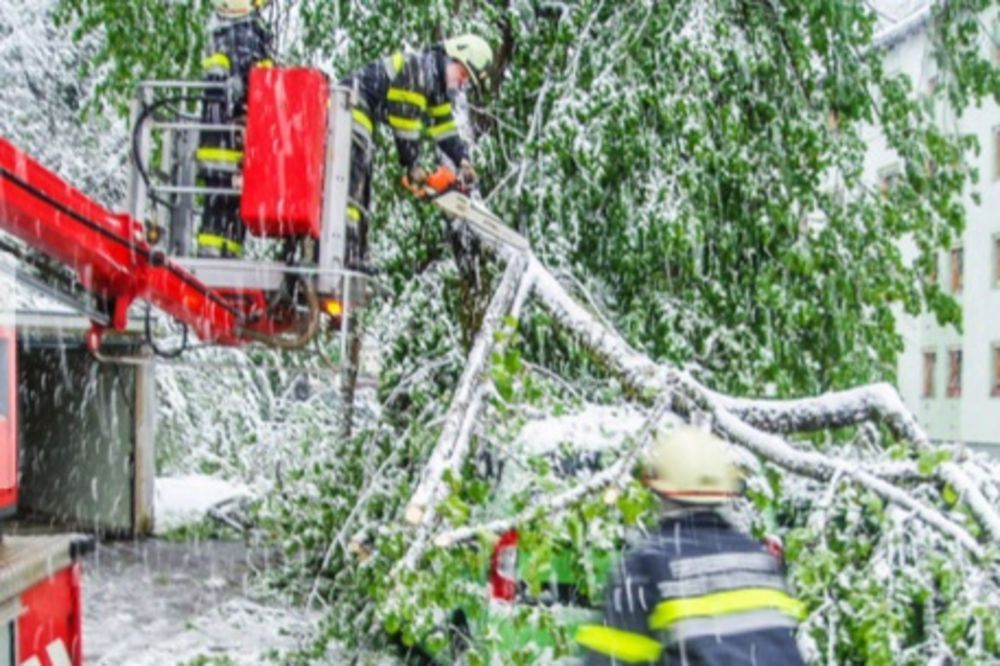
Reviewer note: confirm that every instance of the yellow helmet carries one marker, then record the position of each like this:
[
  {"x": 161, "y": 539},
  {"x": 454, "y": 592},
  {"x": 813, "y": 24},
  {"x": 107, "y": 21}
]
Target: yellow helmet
[
  {"x": 237, "y": 8},
  {"x": 474, "y": 54},
  {"x": 692, "y": 466}
]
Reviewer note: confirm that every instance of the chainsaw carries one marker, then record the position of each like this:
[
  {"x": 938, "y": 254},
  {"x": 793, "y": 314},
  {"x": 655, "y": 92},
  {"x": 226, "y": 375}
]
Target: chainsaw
[{"x": 444, "y": 189}]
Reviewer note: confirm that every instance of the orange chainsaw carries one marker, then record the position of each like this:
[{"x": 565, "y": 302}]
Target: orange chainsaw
[{"x": 446, "y": 191}]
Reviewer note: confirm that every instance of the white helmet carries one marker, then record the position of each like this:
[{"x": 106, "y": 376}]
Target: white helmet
[
  {"x": 474, "y": 54},
  {"x": 237, "y": 8},
  {"x": 692, "y": 466}
]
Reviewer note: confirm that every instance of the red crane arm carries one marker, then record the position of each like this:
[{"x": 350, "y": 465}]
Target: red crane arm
[{"x": 109, "y": 253}]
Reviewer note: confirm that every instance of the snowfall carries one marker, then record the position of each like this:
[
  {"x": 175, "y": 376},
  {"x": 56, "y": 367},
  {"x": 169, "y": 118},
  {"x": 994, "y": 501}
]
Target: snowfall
[{"x": 162, "y": 600}]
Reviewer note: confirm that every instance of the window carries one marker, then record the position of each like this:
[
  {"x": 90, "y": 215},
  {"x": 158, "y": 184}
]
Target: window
[
  {"x": 996, "y": 260},
  {"x": 996, "y": 153},
  {"x": 888, "y": 178},
  {"x": 930, "y": 85},
  {"x": 833, "y": 120},
  {"x": 957, "y": 259},
  {"x": 995, "y": 392},
  {"x": 954, "y": 374},
  {"x": 930, "y": 360}
]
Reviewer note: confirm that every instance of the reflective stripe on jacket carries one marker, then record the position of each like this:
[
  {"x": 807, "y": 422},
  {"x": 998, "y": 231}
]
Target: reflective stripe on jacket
[
  {"x": 237, "y": 45},
  {"x": 409, "y": 93},
  {"x": 697, "y": 592}
]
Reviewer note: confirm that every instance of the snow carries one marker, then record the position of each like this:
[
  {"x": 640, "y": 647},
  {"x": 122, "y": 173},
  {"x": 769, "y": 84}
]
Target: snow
[
  {"x": 185, "y": 500},
  {"x": 40, "y": 71},
  {"x": 162, "y": 603},
  {"x": 241, "y": 630},
  {"x": 899, "y": 18},
  {"x": 593, "y": 428}
]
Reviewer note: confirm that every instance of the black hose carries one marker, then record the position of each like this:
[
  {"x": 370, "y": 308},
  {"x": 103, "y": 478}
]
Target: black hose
[
  {"x": 304, "y": 336},
  {"x": 148, "y": 110},
  {"x": 172, "y": 353}
]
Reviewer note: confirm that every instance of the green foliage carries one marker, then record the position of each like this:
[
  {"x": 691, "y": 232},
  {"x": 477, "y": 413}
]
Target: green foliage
[
  {"x": 140, "y": 40},
  {"x": 214, "y": 660},
  {"x": 872, "y": 602},
  {"x": 699, "y": 168},
  {"x": 202, "y": 530}
]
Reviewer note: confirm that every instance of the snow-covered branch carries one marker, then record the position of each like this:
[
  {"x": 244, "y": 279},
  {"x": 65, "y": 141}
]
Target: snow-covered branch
[
  {"x": 738, "y": 419},
  {"x": 552, "y": 505},
  {"x": 465, "y": 406},
  {"x": 818, "y": 466},
  {"x": 830, "y": 410}
]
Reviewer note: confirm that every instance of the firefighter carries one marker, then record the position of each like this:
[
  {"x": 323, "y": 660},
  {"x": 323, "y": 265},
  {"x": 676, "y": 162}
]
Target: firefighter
[
  {"x": 698, "y": 591},
  {"x": 240, "y": 39},
  {"x": 410, "y": 91}
]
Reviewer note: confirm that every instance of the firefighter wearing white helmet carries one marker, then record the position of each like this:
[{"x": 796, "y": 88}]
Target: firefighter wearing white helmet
[
  {"x": 237, "y": 8},
  {"x": 693, "y": 467},
  {"x": 697, "y": 591},
  {"x": 412, "y": 93},
  {"x": 475, "y": 55},
  {"x": 240, "y": 39}
]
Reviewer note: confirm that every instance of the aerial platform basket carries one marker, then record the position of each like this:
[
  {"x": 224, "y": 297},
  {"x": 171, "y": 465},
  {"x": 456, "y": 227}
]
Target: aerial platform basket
[{"x": 292, "y": 183}]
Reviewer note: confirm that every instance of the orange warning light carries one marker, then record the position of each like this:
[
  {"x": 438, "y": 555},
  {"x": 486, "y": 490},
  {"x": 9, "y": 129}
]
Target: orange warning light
[{"x": 333, "y": 307}]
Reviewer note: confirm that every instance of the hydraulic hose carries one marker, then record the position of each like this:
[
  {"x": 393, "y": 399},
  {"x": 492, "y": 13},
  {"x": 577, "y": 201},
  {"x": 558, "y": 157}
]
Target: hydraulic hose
[
  {"x": 147, "y": 110},
  {"x": 280, "y": 341}
]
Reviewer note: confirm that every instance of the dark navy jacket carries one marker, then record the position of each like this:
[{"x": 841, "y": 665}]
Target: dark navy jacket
[
  {"x": 408, "y": 91},
  {"x": 697, "y": 593}
]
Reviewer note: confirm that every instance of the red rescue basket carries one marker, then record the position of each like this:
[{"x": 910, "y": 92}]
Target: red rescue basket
[{"x": 285, "y": 149}]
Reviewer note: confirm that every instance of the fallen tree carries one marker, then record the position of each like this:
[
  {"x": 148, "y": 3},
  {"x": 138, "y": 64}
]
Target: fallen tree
[
  {"x": 748, "y": 423},
  {"x": 758, "y": 427}
]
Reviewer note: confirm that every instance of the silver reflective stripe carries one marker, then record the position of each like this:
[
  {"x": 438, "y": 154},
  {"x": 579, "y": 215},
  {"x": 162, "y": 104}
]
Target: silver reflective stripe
[
  {"x": 728, "y": 625},
  {"x": 696, "y": 587},
  {"x": 446, "y": 135},
  {"x": 690, "y": 567},
  {"x": 406, "y": 134},
  {"x": 223, "y": 167},
  {"x": 361, "y": 130}
]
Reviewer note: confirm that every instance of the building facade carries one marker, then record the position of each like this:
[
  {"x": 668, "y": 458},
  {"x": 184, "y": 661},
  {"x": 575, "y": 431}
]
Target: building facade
[{"x": 951, "y": 378}]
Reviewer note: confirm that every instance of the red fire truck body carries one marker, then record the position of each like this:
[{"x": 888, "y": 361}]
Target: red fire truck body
[
  {"x": 293, "y": 188},
  {"x": 40, "y": 596}
]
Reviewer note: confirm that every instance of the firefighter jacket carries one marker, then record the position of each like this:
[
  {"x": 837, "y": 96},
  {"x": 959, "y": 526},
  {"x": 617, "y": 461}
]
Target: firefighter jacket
[
  {"x": 408, "y": 91},
  {"x": 697, "y": 593},
  {"x": 236, "y": 46}
]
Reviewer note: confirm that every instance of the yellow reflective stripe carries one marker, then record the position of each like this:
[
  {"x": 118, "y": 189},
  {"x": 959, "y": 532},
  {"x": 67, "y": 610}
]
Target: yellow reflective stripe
[
  {"x": 398, "y": 61},
  {"x": 668, "y": 612},
  {"x": 220, "y": 242},
  {"x": 208, "y": 154},
  {"x": 266, "y": 62},
  {"x": 406, "y": 124},
  {"x": 407, "y": 97},
  {"x": 437, "y": 130},
  {"x": 216, "y": 60},
  {"x": 621, "y": 645},
  {"x": 353, "y": 214},
  {"x": 361, "y": 118},
  {"x": 440, "y": 110}
]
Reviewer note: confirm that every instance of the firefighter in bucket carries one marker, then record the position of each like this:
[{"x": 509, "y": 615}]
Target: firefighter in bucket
[{"x": 240, "y": 39}]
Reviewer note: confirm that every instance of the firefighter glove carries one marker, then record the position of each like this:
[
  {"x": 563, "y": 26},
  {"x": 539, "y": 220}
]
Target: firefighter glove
[
  {"x": 467, "y": 172},
  {"x": 417, "y": 174}
]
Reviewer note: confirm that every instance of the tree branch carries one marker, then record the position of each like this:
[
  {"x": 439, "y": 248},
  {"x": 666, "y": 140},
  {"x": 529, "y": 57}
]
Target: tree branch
[
  {"x": 553, "y": 505},
  {"x": 831, "y": 410},
  {"x": 649, "y": 379},
  {"x": 429, "y": 489}
]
